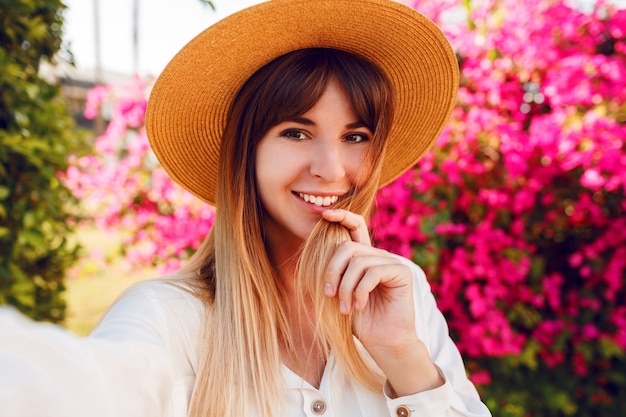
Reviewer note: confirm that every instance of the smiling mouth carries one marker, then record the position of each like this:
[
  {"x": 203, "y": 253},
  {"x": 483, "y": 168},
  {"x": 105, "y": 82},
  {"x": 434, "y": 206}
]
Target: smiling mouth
[{"x": 320, "y": 201}]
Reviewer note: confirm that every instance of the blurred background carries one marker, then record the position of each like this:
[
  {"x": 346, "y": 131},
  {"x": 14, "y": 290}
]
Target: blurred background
[
  {"x": 518, "y": 215},
  {"x": 137, "y": 36}
]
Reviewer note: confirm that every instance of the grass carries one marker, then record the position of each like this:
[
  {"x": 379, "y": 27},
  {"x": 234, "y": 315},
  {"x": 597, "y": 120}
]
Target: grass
[{"x": 97, "y": 280}]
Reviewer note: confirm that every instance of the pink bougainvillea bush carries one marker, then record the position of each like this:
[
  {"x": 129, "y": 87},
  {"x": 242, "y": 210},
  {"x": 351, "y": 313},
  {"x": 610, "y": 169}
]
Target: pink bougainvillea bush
[
  {"x": 518, "y": 215},
  {"x": 122, "y": 186}
]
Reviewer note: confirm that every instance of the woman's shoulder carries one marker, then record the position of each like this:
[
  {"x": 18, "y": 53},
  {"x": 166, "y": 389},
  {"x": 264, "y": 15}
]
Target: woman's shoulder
[
  {"x": 162, "y": 289},
  {"x": 161, "y": 293},
  {"x": 161, "y": 304}
]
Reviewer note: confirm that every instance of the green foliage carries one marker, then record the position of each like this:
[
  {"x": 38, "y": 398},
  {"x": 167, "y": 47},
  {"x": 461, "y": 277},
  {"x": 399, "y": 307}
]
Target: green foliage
[
  {"x": 36, "y": 136},
  {"x": 554, "y": 391},
  {"x": 208, "y": 3}
]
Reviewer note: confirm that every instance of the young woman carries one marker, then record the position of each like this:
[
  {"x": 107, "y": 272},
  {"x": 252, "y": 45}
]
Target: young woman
[{"x": 287, "y": 117}]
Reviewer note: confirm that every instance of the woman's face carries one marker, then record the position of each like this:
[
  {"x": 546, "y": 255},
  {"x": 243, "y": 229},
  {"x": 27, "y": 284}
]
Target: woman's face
[{"x": 305, "y": 165}]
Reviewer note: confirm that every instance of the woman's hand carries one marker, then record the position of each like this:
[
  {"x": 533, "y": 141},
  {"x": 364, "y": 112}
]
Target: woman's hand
[
  {"x": 378, "y": 287},
  {"x": 374, "y": 283}
]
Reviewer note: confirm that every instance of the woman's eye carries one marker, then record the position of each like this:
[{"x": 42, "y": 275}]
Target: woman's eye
[
  {"x": 294, "y": 134},
  {"x": 356, "y": 137}
]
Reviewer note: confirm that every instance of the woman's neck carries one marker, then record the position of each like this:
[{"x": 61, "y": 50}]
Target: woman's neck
[{"x": 284, "y": 255}]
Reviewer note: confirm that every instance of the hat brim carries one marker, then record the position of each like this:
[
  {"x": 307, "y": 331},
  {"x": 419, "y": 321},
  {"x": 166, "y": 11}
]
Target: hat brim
[{"x": 190, "y": 100}]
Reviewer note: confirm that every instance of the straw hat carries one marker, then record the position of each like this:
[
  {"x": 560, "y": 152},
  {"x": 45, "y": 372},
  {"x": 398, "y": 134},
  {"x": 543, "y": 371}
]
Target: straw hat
[{"x": 190, "y": 100}]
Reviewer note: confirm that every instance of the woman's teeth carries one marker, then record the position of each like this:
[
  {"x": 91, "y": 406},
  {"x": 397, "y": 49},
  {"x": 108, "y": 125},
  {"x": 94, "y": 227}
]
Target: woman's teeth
[{"x": 319, "y": 200}]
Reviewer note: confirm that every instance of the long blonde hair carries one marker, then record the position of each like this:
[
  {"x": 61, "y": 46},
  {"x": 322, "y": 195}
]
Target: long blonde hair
[{"x": 239, "y": 371}]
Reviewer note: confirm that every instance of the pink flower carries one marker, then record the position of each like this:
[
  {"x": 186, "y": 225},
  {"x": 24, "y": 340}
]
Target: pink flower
[
  {"x": 482, "y": 377},
  {"x": 95, "y": 97},
  {"x": 592, "y": 179}
]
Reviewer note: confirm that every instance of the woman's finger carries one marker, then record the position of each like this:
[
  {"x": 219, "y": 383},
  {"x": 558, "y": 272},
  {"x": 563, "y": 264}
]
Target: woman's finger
[
  {"x": 353, "y": 222},
  {"x": 348, "y": 267},
  {"x": 363, "y": 276},
  {"x": 385, "y": 274},
  {"x": 345, "y": 253}
]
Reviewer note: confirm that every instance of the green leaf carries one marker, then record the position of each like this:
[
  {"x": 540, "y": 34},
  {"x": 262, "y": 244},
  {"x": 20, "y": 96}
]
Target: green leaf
[
  {"x": 34, "y": 238},
  {"x": 4, "y": 192}
]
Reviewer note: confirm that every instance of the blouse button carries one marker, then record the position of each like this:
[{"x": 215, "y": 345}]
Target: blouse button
[
  {"x": 318, "y": 407},
  {"x": 403, "y": 411}
]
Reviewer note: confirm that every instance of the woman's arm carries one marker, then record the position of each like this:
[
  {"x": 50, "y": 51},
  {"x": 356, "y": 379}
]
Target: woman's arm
[
  {"x": 128, "y": 367},
  {"x": 457, "y": 396}
]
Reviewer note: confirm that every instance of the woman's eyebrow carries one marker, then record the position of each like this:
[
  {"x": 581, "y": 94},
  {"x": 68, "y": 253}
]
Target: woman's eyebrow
[
  {"x": 357, "y": 125},
  {"x": 309, "y": 122},
  {"x": 301, "y": 120}
]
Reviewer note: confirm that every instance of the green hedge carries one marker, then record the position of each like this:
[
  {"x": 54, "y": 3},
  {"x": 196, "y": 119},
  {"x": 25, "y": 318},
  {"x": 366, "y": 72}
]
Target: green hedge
[{"x": 36, "y": 136}]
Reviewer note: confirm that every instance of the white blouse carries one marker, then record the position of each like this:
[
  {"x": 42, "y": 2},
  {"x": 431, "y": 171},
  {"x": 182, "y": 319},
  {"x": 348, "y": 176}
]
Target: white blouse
[{"x": 141, "y": 361}]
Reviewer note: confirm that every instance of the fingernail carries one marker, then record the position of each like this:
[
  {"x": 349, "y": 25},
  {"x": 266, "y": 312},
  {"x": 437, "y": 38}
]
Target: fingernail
[
  {"x": 343, "y": 308},
  {"x": 328, "y": 289}
]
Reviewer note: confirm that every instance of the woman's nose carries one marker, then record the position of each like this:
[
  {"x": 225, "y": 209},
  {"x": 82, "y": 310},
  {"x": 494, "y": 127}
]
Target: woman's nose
[{"x": 327, "y": 162}]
